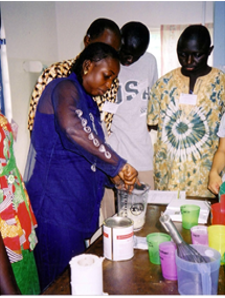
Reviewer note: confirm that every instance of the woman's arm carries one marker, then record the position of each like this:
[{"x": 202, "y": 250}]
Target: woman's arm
[
  {"x": 218, "y": 165},
  {"x": 77, "y": 136},
  {"x": 8, "y": 285}
]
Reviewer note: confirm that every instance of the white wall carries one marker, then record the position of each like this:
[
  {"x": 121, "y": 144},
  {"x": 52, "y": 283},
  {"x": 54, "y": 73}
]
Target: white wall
[
  {"x": 79, "y": 15},
  {"x": 30, "y": 35},
  {"x": 53, "y": 31},
  {"x": 219, "y": 35}
]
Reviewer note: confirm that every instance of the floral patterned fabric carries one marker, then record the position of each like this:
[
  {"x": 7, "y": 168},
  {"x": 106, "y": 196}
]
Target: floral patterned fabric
[
  {"x": 17, "y": 221},
  {"x": 187, "y": 134}
]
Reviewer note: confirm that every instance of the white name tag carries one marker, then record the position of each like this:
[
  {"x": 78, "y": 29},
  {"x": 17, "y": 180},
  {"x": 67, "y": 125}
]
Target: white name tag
[
  {"x": 110, "y": 107},
  {"x": 188, "y": 99}
]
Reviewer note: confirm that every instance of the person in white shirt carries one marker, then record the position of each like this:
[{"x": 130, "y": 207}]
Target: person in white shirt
[{"x": 129, "y": 131}]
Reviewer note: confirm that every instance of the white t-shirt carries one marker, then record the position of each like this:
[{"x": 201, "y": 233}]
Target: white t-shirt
[
  {"x": 130, "y": 137},
  {"x": 221, "y": 134},
  {"x": 221, "y": 131}
]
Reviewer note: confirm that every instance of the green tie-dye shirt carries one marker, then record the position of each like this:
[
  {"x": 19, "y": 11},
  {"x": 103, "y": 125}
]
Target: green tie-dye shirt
[{"x": 187, "y": 134}]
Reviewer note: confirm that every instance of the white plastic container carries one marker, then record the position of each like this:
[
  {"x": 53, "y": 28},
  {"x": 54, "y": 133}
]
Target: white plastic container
[{"x": 134, "y": 205}]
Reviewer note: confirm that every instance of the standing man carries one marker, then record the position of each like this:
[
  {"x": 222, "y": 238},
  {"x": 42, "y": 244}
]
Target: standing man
[
  {"x": 187, "y": 104},
  {"x": 129, "y": 132}
]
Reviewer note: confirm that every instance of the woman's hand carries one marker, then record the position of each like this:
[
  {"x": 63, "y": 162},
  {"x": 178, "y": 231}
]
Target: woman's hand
[
  {"x": 117, "y": 181},
  {"x": 214, "y": 182},
  {"x": 129, "y": 177},
  {"x": 218, "y": 166}
]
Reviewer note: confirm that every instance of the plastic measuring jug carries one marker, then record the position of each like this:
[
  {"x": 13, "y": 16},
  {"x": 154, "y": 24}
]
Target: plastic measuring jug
[
  {"x": 199, "y": 278},
  {"x": 133, "y": 205}
]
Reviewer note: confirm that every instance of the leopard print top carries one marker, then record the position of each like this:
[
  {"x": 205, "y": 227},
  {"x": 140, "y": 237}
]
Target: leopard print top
[{"x": 63, "y": 69}]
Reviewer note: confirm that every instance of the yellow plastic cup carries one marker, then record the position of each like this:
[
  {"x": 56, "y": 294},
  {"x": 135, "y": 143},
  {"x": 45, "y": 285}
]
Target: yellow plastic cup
[{"x": 216, "y": 234}]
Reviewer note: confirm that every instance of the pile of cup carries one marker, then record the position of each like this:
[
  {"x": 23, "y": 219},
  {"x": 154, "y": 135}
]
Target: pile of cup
[
  {"x": 212, "y": 236},
  {"x": 190, "y": 215},
  {"x": 193, "y": 278},
  {"x": 200, "y": 278}
]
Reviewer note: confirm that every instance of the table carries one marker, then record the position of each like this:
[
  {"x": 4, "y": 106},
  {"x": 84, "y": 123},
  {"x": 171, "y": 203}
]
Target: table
[{"x": 136, "y": 276}]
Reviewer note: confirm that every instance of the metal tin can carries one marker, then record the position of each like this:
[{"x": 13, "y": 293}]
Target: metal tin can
[{"x": 118, "y": 242}]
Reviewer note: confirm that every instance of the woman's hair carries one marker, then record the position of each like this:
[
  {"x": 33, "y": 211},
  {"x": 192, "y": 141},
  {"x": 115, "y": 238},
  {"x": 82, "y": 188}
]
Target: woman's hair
[
  {"x": 97, "y": 28},
  {"x": 93, "y": 52}
]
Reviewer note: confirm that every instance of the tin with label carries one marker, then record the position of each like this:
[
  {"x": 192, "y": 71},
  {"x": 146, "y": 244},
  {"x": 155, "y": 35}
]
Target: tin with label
[{"x": 118, "y": 242}]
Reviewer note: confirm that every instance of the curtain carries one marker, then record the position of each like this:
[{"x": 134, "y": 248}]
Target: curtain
[
  {"x": 2, "y": 105},
  {"x": 169, "y": 37},
  {"x": 5, "y": 100}
]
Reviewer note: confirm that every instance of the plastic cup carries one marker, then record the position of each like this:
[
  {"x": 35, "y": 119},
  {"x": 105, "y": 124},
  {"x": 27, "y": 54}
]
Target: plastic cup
[
  {"x": 217, "y": 238},
  {"x": 153, "y": 240},
  {"x": 167, "y": 259},
  {"x": 218, "y": 217},
  {"x": 199, "y": 235},
  {"x": 190, "y": 214}
]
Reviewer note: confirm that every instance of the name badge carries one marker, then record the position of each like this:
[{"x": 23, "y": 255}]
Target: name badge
[
  {"x": 110, "y": 107},
  {"x": 188, "y": 99}
]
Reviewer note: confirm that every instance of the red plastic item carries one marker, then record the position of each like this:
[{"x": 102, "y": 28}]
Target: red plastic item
[{"x": 218, "y": 212}]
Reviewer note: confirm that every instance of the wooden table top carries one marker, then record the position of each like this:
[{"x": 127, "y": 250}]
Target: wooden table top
[{"x": 137, "y": 276}]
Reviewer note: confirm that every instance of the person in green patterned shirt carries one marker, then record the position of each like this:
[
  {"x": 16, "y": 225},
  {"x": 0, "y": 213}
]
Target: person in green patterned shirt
[
  {"x": 187, "y": 105},
  {"x": 100, "y": 30}
]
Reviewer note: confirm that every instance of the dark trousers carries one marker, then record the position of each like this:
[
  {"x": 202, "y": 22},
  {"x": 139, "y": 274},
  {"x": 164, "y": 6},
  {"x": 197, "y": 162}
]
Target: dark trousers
[{"x": 56, "y": 247}]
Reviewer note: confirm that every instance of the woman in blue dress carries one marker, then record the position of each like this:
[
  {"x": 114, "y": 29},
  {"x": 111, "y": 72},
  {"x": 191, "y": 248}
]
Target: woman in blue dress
[{"x": 72, "y": 161}]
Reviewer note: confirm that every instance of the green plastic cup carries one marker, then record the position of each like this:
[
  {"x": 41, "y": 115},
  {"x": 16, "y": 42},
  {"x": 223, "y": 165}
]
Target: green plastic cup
[
  {"x": 190, "y": 215},
  {"x": 153, "y": 240}
]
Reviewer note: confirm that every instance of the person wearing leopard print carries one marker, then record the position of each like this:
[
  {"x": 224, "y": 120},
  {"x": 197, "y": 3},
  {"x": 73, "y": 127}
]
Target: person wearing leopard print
[{"x": 101, "y": 30}]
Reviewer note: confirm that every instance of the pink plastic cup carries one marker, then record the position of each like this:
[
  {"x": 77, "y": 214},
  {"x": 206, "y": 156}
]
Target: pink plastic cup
[
  {"x": 199, "y": 235},
  {"x": 168, "y": 261}
]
